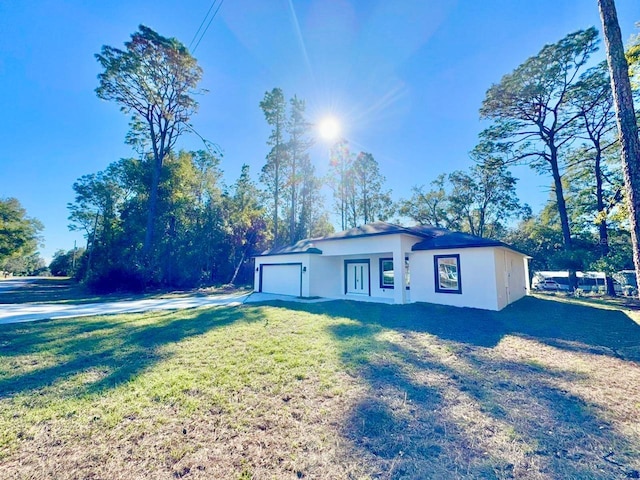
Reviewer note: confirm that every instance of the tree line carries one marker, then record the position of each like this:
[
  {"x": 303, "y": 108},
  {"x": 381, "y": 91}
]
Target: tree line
[
  {"x": 165, "y": 216},
  {"x": 19, "y": 240},
  {"x": 555, "y": 113},
  {"x": 295, "y": 205},
  {"x": 296, "y": 199}
]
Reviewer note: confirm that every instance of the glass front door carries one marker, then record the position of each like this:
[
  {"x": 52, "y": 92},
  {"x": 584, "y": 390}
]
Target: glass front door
[{"x": 357, "y": 278}]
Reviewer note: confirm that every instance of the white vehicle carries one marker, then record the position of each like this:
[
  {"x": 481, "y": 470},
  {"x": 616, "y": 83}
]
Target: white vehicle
[
  {"x": 551, "y": 281},
  {"x": 550, "y": 284}
]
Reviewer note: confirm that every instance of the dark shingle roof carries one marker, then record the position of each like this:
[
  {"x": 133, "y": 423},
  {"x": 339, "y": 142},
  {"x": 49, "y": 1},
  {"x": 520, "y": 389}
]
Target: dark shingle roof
[
  {"x": 303, "y": 246},
  {"x": 434, "y": 238},
  {"x": 371, "y": 229},
  {"x": 442, "y": 239}
]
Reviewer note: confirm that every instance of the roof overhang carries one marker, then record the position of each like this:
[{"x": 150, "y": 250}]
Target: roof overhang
[
  {"x": 311, "y": 250},
  {"x": 430, "y": 245}
]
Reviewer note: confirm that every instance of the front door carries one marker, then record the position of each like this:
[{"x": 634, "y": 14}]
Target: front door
[{"x": 357, "y": 277}]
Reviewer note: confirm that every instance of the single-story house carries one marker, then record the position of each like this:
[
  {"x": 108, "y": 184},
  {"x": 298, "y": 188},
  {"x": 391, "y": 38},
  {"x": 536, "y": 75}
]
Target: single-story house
[{"x": 389, "y": 263}]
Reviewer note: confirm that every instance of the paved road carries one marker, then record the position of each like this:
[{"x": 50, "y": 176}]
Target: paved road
[{"x": 28, "y": 312}]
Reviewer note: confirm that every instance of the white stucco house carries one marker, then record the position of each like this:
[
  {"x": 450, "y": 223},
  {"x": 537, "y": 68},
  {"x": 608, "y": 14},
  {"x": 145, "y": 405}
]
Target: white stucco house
[{"x": 389, "y": 263}]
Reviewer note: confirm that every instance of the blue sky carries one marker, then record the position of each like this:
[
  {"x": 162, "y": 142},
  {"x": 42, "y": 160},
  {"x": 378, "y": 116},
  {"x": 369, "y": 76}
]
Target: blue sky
[{"x": 405, "y": 77}]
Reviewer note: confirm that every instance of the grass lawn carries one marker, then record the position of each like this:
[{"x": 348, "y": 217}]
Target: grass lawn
[{"x": 545, "y": 389}]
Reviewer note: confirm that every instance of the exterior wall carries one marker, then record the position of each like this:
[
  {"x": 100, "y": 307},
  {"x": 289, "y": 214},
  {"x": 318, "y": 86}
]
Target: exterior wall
[
  {"x": 363, "y": 246},
  {"x": 376, "y": 290},
  {"x": 511, "y": 276},
  {"x": 491, "y": 277},
  {"x": 327, "y": 279},
  {"x": 477, "y": 278},
  {"x": 326, "y": 275}
]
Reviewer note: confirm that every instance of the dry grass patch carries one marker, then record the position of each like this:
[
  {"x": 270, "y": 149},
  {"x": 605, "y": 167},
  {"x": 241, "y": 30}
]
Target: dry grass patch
[
  {"x": 204, "y": 394},
  {"x": 543, "y": 389},
  {"x": 540, "y": 390}
]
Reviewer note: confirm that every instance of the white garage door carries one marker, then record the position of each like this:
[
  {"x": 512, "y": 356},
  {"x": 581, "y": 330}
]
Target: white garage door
[{"x": 283, "y": 279}]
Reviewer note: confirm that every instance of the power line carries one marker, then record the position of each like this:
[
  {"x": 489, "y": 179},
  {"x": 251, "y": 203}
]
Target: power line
[
  {"x": 201, "y": 24},
  {"x": 208, "y": 24}
]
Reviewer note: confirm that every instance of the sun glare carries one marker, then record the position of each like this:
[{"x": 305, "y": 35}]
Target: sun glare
[{"x": 329, "y": 128}]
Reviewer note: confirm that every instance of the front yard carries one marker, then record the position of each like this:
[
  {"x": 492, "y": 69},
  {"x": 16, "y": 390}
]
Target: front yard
[{"x": 544, "y": 389}]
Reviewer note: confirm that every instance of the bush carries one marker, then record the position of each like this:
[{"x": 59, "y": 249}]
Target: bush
[{"x": 117, "y": 279}]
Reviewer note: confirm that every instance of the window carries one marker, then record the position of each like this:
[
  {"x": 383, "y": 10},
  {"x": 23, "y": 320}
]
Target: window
[
  {"x": 447, "y": 273},
  {"x": 386, "y": 273},
  {"x": 407, "y": 273}
]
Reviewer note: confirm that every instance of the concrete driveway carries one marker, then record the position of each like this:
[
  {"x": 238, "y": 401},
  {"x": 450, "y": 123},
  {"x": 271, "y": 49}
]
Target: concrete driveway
[{"x": 28, "y": 312}]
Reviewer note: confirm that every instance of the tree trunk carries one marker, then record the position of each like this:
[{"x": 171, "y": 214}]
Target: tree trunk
[
  {"x": 365, "y": 200},
  {"x": 245, "y": 250},
  {"x": 275, "y": 217},
  {"x": 573, "y": 281},
  {"x": 343, "y": 196},
  {"x": 294, "y": 186},
  {"x": 237, "y": 269},
  {"x": 626, "y": 119},
  {"x": 276, "y": 240},
  {"x": 562, "y": 207},
  {"x": 275, "y": 202},
  {"x": 93, "y": 245},
  {"x": 159, "y": 153},
  {"x": 602, "y": 224}
]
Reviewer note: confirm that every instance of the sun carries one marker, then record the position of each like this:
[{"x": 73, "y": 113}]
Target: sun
[{"x": 329, "y": 128}]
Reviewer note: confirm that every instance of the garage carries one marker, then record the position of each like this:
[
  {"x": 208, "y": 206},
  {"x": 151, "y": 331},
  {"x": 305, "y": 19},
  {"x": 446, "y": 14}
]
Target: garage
[{"x": 281, "y": 278}]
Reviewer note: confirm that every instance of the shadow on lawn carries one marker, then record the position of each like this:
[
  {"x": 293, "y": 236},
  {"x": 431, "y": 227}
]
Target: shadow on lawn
[
  {"x": 567, "y": 326},
  {"x": 116, "y": 346},
  {"x": 441, "y": 404}
]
